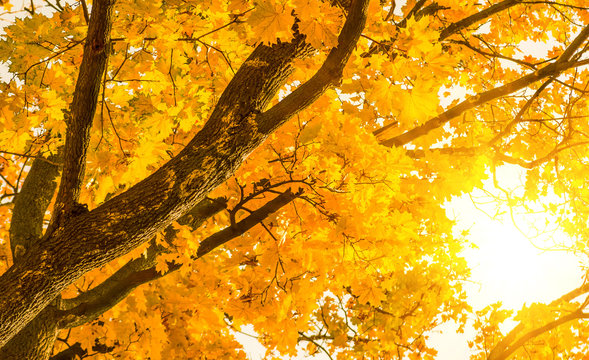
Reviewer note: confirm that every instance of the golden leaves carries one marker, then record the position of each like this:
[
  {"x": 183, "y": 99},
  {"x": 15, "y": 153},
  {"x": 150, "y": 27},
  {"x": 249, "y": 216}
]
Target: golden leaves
[
  {"x": 6, "y": 4},
  {"x": 410, "y": 105},
  {"x": 368, "y": 248},
  {"x": 319, "y": 21},
  {"x": 421, "y": 102},
  {"x": 368, "y": 292},
  {"x": 420, "y": 37},
  {"x": 271, "y": 21}
]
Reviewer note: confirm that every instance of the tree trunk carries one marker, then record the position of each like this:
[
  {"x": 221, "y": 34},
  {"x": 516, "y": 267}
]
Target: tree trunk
[
  {"x": 35, "y": 341},
  {"x": 79, "y": 243}
]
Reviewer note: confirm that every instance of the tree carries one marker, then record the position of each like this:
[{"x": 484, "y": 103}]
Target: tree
[{"x": 172, "y": 171}]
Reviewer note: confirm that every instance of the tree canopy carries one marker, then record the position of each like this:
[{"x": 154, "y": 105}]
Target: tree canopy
[{"x": 172, "y": 171}]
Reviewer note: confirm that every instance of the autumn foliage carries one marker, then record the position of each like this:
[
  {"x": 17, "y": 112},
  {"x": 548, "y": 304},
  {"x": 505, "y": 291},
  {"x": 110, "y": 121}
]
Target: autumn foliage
[{"x": 173, "y": 172}]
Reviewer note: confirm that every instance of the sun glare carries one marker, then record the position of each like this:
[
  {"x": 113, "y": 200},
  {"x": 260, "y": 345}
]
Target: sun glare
[{"x": 509, "y": 263}]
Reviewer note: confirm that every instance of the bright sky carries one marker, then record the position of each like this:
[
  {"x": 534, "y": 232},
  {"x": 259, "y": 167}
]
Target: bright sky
[{"x": 506, "y": 266}]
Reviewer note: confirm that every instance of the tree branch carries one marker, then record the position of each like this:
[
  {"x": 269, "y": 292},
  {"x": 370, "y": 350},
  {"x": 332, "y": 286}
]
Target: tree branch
[
  {"x": 520, "y": 113},
  {"x": 532, "y": 164},
  {"x": 312, "y": 341},
  {"x": 568, "y": 53},
  {"x": 510, "y": 338},
  {"x": 468, "y": 21},
  {"x": 510, "y": 349},
  {"x": 571, "y": 295},
  {"x": 476, "y": 100},
  {"x": 231, "y": 232},
  {"x": 328, "y": 75},
  {"x": 561, "y": 64},
  {"x": 30, "y": 204},
  {"x": 494, "y": 54},
  {"x": 103, "y": 297},
  {"x": 417, "y": 12},
  {"x": 83, "y": 107},
  {"x": 202, "y": 211},
  {"x": 29, "y": 156},
  {"x": 93, "y": 303}
]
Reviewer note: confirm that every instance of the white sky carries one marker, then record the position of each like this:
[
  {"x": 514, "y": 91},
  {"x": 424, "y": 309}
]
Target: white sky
[{"x": 506, "y": 267}]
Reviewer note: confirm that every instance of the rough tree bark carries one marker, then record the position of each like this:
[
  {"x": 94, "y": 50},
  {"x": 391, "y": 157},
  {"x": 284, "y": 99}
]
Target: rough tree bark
[
  {"x": 77, "y": 243},
  {"x": 36, "y": 340}
]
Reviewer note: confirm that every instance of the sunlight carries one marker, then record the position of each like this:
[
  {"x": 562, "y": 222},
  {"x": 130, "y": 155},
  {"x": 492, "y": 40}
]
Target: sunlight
[
  {"x": 507, "y": 264},
  {"x": 512, "y": 260},
  {"x": 508, "y": 268}
]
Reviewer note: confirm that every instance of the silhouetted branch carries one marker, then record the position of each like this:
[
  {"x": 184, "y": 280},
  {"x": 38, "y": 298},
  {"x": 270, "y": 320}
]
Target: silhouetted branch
[
  {"x": 476, "y": 100},
  {"x": 231, "y": 232},
  {"x": 475, "y": 18},
  {"x": 93, "y": 303}
]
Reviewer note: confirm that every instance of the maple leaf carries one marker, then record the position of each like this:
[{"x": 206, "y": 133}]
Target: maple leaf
[
  {"x": 320, "y": 31},
  {"x": 421, "y": 102},
  {"x": 369, "y": 293},
  {"x": 421, "y": 39},
  {"x": 6, "y": 4},
  {"x": 272, "y": 21}
]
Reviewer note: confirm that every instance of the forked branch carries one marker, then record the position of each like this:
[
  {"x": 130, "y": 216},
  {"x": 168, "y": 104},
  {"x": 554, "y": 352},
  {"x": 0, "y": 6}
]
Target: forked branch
[
  {"x": 475, "y": 18},
  {"x": 256, "y": 217},
  {"x": 327, "y": 76},
  {"x": 476, "y": 100},
  {"x": 93, "y": 303},
  {"x": 567, "y": 60},
  {"x": 235, "y": 128}
]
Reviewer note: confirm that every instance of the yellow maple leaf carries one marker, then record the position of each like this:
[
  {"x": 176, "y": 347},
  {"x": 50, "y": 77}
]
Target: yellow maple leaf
[
  {"x": 420, "y": 103},
  {"x": 320, "y": 31},
  {"x": 387, "y": 97},
  {"x": 272, "y": 21},
  {"x": 161, "y": 266},
  {"x": 369, "y": 293},
  {"x": 6, "y": 5},
  {"x": 421, "y": 38},
  {"x": 340, "y": 340}
]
